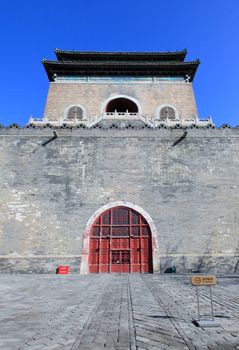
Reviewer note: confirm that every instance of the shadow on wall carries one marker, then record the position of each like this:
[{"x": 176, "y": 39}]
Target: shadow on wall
[
  {"x": 168, "y": 266},
  {"x": 236, "y": 266}
]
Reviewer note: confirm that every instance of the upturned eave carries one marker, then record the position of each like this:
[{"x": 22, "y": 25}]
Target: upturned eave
[
  {"x": 120, "y": 68},
  {"x": 67, "y": 55}
]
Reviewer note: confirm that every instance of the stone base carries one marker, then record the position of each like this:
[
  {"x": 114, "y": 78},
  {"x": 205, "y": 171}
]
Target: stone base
[{"x": 38, "y": 265}]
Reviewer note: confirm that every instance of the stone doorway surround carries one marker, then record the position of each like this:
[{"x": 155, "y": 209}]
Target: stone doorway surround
[{"x": 98, "y": 212}]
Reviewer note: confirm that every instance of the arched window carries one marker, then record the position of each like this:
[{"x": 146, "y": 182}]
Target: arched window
[
  {"x": 75, "y": 112},
  {"x": 121, "y": 105},
  {"x": 167, "y": 113}
]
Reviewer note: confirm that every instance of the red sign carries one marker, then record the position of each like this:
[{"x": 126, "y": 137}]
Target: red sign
[{"x": 63, "y": 270}]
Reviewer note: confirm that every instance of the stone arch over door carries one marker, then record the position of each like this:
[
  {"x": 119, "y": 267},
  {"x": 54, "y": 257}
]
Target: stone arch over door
[{"x": 91, "y": 223}]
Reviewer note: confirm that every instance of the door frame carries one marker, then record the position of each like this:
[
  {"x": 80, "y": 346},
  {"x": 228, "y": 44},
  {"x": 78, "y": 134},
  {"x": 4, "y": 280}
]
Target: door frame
[{"x": 98, "y": 212}]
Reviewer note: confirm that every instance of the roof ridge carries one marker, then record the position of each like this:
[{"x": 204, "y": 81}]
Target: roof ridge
[
  {"x": 197, "y": 61},
  {"x": 56, "y": 50}
]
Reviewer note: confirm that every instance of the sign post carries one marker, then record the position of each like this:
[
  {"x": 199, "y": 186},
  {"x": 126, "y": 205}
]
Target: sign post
[{"x": 204, "y": 280}]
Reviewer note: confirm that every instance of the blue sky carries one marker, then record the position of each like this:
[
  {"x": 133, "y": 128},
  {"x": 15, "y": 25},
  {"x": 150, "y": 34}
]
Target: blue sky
[{"x": 31, "y": 29}]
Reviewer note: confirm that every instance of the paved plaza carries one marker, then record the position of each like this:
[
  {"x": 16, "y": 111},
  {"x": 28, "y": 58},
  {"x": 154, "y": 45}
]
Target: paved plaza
[{"x": 54, "y": 312}]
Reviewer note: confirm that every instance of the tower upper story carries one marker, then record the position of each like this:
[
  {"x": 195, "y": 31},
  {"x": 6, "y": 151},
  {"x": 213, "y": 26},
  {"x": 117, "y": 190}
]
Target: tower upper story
[{"x": 93, "y": 87}]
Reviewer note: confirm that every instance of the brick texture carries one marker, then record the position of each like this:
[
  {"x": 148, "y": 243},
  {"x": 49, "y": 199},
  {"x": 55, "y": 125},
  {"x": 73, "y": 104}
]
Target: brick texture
[{"x": 93, "y": 95}]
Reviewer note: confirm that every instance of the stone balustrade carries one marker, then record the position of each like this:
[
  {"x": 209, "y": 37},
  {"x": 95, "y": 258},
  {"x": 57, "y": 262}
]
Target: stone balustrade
[{"x": 90, "y": 122}]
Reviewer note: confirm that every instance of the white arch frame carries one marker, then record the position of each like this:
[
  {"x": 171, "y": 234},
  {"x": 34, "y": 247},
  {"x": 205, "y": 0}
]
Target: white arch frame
[
  {"x": 101, "y": 210},
  {"x": 166, "y": 105},
  {"x": 66, "y": 110},
  {"x": 113, "y": 97}
]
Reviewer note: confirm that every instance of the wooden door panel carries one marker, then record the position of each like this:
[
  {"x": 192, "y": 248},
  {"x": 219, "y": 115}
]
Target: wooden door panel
[
  {"x": 115, "y": 243},
  {"x": 124, "y": 243},
  {"x": 125, "y": 261},
  {"x": 115, "y": 261},
  {"x": 125, "y": 268},
  {"x": 120, "y": 242},
  {"x": 94, "y": 256},
  {"x": 145, "y": 268},
  {"x": 94, "y": 268},
  {"x": 94, "y": 252},
  {"x": 104, "y": 268},
  {"x": 104, "y": 255}
]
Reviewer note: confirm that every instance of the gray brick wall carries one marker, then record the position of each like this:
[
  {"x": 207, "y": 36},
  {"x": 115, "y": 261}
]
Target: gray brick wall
[{"x": 47, "y": 194}]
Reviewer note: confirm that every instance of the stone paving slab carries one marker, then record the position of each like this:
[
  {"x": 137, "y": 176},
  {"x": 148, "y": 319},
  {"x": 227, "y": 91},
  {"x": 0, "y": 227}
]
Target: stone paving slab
[{"x": 136, "y": 312}]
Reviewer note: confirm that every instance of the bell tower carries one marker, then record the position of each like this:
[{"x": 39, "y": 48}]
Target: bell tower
[{"x": 151, "y": 88}]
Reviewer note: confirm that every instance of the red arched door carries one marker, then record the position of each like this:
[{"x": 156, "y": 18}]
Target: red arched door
[{"x": 120, "y": 241}]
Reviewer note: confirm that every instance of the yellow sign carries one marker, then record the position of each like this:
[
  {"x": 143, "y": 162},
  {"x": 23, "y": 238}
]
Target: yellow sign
[{"x": 205, "y": 280}]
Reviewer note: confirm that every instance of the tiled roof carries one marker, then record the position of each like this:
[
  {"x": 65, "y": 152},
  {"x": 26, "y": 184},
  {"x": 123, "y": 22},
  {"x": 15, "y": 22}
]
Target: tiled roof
[
  {"x": 116, "y": 63},
  {"x": 149, "y": 56},
  {"x": 158, "y": 64}
]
